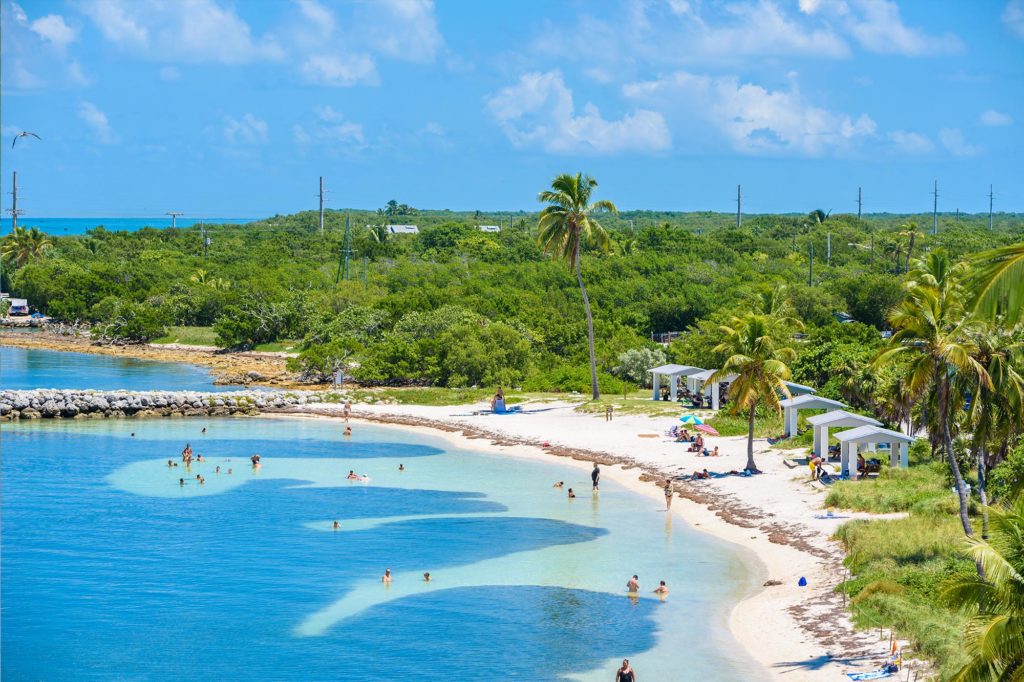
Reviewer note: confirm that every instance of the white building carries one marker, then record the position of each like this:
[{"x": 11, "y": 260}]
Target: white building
[
  {"x": 403, "y": 229},
  {"x": 490, "y": 228}
]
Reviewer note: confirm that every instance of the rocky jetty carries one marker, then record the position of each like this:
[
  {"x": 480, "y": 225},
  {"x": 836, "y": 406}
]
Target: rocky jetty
[{"x": 90, "y": 404}]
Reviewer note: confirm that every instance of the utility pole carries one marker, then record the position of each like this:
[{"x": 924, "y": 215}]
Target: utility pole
[
  {"x": 810, "y": 268},
  {"x": 990, "y": 207},
  {"x": 174, "y": 217},
  {"x": 739, "y": 206},
  {"x": 348, "y": 234},
  {"x": 14, "y": 210},
  {"x": 859, "y": 202},
  {"x": 202, "y": 232},
  {"x": 321, "y": 205},
  {"x": 957, "y": 215},
  {"x": 935, "y": 209},
  {"x": 828, "y": 248},
  {"x": 364, "y": 270}
]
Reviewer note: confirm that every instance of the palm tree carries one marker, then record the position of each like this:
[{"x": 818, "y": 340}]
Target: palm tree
[
  {"x": 760, "y": 368},
  {"x": 910, "y": 233},
  {"x": 565, "y": 226},
  {"x": 997, "y": 407},
  {"x": 25, "y": 244},
  {"x": 998, "y": 283},
  {"x": 995, "y": 633},
  {"x": 932, "y": 330}
]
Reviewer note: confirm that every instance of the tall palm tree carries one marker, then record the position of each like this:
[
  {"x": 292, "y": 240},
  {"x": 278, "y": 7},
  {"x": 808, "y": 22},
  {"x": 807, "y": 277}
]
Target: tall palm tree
[
  {"x": 932, "y": 330},
  {"x": 759, "y": 364},
  {"x": 995, "y": 633},
  {"x": 25, "y": 244},
  {"x": 997, "y": 407},
  {"x": 910, "y": 232},
  {"x": 998, "y": 283},
  {"x": 565, "y": 226}
]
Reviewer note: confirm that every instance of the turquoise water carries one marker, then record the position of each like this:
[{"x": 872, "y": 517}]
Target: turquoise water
[
  {"x": 112, "y": 570},
  {"x": 36, "y": 368},
  {"x": 66, "y": 226}
]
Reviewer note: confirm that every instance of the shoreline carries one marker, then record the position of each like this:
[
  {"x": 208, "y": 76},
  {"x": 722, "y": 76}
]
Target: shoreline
[
  {"x": 243, "y": 369},
  {"x": 791, "y": 632}
]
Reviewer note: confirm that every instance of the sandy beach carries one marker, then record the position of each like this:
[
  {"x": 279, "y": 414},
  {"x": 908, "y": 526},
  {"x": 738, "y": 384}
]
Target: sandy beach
[{"x": 796, "y": 633}]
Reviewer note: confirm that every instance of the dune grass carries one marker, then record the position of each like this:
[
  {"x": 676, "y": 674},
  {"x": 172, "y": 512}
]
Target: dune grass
[
  {"x": 921, "y": 489},
  {"x": 283, "y": 346},
  {"x": 189, "y": 336},
  {"x": 900, "y": 566}
]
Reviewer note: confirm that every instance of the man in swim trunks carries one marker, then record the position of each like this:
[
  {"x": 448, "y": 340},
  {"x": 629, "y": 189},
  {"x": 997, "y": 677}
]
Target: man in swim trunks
[
  {"x": 662, "y": 588},
  {"x": 625, "y": 673},
  {"x": 595, "y": 475},
  {"x": 386, "y": 578},
  {"x": 633, "y": 585}
]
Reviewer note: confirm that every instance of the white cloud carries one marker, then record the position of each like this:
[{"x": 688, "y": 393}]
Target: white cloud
[
  {"x": 402, "y": 29},
  {"x": 539, "y": 110},
  {"x": 878, "y": 27},
  {"x": 330, "y": 126},
  {"x": 953, "y": 140},
  {"x": 317, "y": 15},
  {"x": 763, "y": 28},
  {"x": 247, "y": 130},
  {"x": 1013, "y": 17},
  {"x": 54, "y": 30},
  {"x": 433, "y": 128},
  {"x": 169, "y": 73},
  {"x": 339, "y": 71},
  {"x": 183, "y": 30},
  {"x": 97, "y": 122},
  {"x": 909, "y": 142},
  {"x": 754, "y": 119},
  {"x": 991, "y": 117},
  {"x": 77, "y": 75}
]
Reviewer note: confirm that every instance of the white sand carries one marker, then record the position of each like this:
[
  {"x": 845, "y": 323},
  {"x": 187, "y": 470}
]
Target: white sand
[{"x": 796, "y": 633}]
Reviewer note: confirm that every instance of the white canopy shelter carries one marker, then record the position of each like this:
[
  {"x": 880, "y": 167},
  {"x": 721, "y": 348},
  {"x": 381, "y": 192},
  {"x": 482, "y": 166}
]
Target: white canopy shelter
[
  {"x": 792, "y": 406},
  {"x": 866, "y": 435},
  {"x": 696, "y": 382},
  {"x": 796, "y": 389},
  {"x": 673, "y": 372},
  {"x": 835, "y": 419}
]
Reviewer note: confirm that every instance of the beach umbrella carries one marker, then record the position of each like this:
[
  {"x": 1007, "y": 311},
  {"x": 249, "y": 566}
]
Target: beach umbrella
[
  {"x": 691, "y": 419},
  {"x": 707, "y": 429}
]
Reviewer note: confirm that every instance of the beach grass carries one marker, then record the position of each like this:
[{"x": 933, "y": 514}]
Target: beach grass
[
  {"x": 728, "y": 424},
  {"x": 282, "y": 346},
  {"x": 189, "y": 336},
  {"x": 900, "y": 566},
  {"x": 921, "y": 489}
]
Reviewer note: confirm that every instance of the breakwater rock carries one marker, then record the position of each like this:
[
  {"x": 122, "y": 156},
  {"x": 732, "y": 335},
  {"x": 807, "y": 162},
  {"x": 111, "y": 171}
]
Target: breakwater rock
[{"x": 85, "y": 404}]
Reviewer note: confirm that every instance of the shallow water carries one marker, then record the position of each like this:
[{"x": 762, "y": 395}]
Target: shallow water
[
  {"x": 39, "y": 368},
  {"x": 113, "y": 570}
]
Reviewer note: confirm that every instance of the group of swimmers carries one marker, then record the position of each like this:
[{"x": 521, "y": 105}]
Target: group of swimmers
[
  {"x": 633, "y": 586},
  {"x": 386, "y": 578}
]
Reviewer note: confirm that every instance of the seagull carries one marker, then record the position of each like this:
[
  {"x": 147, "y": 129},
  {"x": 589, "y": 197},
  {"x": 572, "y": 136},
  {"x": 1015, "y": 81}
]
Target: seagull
[{"x": 23, "y": 133}]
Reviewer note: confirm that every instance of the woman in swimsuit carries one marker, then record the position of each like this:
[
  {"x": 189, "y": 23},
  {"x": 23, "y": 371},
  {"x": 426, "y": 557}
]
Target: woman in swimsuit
[{"x": 625, "y": 673}]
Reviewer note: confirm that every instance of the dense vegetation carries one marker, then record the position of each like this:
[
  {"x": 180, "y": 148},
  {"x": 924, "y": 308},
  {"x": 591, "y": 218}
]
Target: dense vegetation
[{"x": 914, "y": 328}]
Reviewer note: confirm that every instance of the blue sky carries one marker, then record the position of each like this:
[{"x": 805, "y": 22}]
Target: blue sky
[{"x": 223, "y": 108}]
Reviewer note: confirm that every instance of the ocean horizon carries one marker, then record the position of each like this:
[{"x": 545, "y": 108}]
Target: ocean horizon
[{"x": 71, "y": 226}]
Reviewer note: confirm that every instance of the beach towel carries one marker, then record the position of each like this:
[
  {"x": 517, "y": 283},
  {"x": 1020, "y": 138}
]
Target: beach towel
[{"x": 873, "y": 675}]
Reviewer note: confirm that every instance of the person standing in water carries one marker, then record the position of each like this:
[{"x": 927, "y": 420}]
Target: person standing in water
[
  {"x": 633, "y": 585},
  {"x": 595, "y": 475},
  {"x": 625, "y": 673},
  {"x": 348, "y": 431},
  {"x": 386, "y": 578},
  {"x": 668, "y": 494},
  {"x": 662, "y": 588}
]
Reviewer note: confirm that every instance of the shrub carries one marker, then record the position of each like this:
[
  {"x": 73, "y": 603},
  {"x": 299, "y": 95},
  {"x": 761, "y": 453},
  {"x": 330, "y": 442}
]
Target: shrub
[{"x": 634, "y": 365}]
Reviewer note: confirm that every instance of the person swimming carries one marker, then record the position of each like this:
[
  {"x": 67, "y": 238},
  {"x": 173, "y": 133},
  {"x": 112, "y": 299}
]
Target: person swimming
[
  {"x": 348, "y": 431},
  {"x": 255, "y": 459},
  {"x": 337, "y": 526},
  {"x": 352, "y": 476},
  {"x": 181, "y": 481},
  {"x": 633, "y": 585},
  {"x": 559, "y": 484},
  {"x": 662, "y": 588},
  {"x": 204, "y": 430},
  {"x": 401, "y": 467},
  {"x": 229, "y": 471},
  {"x": 170, "y": 463},
  {"x": 217, "y": 471},
  {"x": 572, "y": 495},
  {"x": 199, "y": 458},
  {"x": 386, "y": 578},
  {"x": 426, "y": 577}
]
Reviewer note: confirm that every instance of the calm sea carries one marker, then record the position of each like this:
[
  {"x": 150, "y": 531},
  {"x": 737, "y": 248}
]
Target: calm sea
[
  {"x": 114, "y": 569},
  {"x": 65, "y": 226}
]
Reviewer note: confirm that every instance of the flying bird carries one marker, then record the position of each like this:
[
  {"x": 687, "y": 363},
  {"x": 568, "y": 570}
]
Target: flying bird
[{"x": 23, "y": 133}]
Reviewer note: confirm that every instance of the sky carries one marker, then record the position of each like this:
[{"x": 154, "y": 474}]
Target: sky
[{"x": 234, "y": 109}]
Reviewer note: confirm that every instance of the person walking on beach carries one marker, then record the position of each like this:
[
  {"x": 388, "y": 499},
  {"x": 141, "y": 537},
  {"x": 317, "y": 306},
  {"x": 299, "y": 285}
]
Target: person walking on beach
[
  {"x": 668, "y": 494},
  {"x": 595, "y": 475},
  {"x": 625, "y": 673},
  {"x": 633, "y": 585}
]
